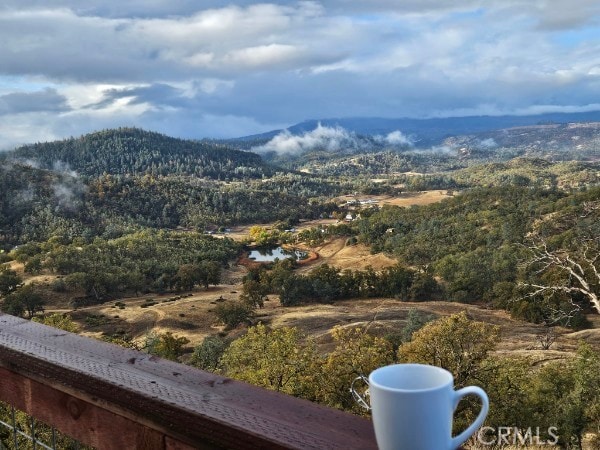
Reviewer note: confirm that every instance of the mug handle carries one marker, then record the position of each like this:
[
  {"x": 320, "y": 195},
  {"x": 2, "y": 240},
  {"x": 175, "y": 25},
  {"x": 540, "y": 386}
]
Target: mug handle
[
  {"x": 357, "y": 397},
  {"x": 485, "y": 405}
]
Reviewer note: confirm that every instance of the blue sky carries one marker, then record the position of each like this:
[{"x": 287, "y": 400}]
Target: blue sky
[{"x": 218, "y": 69}]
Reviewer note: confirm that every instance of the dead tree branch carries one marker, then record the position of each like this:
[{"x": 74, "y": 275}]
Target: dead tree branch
[{"x": 579, "y": 267}]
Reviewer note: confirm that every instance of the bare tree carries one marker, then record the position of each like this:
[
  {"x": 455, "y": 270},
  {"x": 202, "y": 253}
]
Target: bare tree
[
  {"x": 589, "y": 208},
  {"x": 547, "y": 338},
  {"x": 576, "y": 273}
]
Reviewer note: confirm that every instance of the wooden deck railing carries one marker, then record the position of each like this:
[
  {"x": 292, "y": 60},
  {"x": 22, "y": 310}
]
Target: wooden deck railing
[{"x": 115, "y": 398}]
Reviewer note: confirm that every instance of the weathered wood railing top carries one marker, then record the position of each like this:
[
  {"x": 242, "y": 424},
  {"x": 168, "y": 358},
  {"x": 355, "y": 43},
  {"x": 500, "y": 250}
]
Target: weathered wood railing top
[{"x": 115, "y": 398}]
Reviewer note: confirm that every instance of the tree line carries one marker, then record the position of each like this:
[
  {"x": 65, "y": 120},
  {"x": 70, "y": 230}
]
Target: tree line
[
  {"x": 147, "y": 261},
  {"x": 37, "y": 205},
  {"x": 327, "y": 283}
]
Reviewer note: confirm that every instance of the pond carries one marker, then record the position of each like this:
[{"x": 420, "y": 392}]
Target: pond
[{"x": 272, "y": 254}]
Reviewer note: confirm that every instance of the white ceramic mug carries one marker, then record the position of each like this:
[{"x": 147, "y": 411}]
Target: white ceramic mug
[{"x": 413, "y": 406}]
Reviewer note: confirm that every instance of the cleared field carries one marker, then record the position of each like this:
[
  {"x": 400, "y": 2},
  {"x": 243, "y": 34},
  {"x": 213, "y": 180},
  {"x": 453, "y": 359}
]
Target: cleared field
[
  {"x": 384, "y": 316},
  {"x": 416, "y": 198},
  {"x": 404, "y": 199},
  {"x": 357, "y": 257}
]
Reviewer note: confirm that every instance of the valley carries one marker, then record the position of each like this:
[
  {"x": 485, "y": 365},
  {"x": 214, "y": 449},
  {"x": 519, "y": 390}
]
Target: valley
[
  {"x": 144, "y": 241},
  {"x": 365, "y": 222},
  {"x": 204, "y": 202},
  {"x": 191, "y": 314}
]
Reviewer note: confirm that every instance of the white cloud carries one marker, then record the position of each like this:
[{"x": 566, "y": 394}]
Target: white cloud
[
  {"x": 255, "y": 64},
  {"x": 200, "y": 59},
  {"x": 331, "y": 139},
  {"x": 26, "y": 128},
  {"x": 398, "y": 138},
  {"x": 82, "y": 95},
  {"x": 263, "y": 55}
]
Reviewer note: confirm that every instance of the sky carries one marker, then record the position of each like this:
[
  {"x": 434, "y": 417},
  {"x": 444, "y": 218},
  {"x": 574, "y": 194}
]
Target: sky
[{"x": 195, "y": 69}]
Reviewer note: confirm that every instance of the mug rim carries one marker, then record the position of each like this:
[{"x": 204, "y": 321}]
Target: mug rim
[{"x": 449, "y": 378}]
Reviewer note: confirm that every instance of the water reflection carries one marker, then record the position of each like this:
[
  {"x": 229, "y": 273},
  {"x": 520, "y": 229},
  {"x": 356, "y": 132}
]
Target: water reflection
[{"x": 272, "y": 254}]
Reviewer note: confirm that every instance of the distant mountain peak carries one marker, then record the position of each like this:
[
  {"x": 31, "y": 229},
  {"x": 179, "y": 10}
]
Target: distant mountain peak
[{"x": 428, "y": 131}]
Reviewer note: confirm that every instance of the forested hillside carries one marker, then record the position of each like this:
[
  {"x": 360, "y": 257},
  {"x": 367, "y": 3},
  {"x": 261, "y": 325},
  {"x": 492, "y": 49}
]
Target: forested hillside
[
  {"x": 486, "y": 245},
  {"x": 118, "y": 181},
  {"x": 37, "y": 204},
  {"x": 472, "y": 247},
  {"x": 137, "y": 152}
]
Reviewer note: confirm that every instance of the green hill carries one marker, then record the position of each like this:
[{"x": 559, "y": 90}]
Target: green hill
[{"x": 138, "y": 152}]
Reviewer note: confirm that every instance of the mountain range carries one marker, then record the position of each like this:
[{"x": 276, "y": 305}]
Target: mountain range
[{"x": 431, "y": 131}]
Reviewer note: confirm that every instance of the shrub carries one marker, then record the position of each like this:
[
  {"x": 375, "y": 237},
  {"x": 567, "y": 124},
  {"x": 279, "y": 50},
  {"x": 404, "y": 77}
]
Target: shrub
[
  {"x": 60, "y": 321},
  {"x": 166, "y": 345},
  {"x": 59, "y": 285},
  {"x": 207, "y": 356},
  {"x": 231, "y": 314}
]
